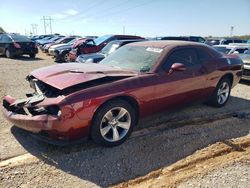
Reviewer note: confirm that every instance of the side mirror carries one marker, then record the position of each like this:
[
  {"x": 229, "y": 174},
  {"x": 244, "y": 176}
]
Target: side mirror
[{"x": 178, "y": 67}]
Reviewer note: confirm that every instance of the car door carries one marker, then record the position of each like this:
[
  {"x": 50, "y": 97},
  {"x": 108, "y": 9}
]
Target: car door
[
  {"x": 1, "y": 45},
  {"x": 88, "y": 47},
  {"x": 177, "y": 88}
]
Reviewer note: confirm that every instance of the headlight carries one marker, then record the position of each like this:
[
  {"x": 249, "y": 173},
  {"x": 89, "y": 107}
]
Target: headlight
[{"x": 90, "y": 60}]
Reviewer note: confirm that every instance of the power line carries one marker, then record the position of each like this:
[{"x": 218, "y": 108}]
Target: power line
[
  {"x": 129, "y": 8},
  {"x": 47, "y": 23},
  {"x": 34, "y": 29}
]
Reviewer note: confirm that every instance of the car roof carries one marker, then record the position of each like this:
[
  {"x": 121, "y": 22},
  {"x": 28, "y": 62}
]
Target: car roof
[{"x": 166, "y": 43}]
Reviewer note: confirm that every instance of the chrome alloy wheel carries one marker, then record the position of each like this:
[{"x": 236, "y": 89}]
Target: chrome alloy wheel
[
  {"x": 115, "y": 124},
  {"x": 66, "y": 57},
  {"x": 223, "y": 93}
]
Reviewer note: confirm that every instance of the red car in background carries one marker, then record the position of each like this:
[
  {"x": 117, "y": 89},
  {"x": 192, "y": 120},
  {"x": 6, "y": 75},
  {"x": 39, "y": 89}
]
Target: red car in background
[
  {"x": 106, "y": 100},
  {"x": 95, "y": 45}
]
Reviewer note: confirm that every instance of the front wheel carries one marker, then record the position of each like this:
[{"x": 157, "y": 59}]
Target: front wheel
[
  {"x": 113, "y": 123},
  {"x": 66, "y": 57},
  {"x": 221, "y": 94},
  {"x": 8, "y": 54}
]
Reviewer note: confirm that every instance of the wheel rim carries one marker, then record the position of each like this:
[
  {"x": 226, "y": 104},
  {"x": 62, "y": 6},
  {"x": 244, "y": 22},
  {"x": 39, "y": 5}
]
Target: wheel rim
[
  {"x": 223, "y": 93},
  {"x": 66, "y": 57},
  {"x": 115, "y": 124},
  {"x": 7, "y": 53}
]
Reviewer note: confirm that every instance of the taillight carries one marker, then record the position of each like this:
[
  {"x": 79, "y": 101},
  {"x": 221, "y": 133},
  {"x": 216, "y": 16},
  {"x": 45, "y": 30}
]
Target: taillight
[{"x": 16, "y": 45}]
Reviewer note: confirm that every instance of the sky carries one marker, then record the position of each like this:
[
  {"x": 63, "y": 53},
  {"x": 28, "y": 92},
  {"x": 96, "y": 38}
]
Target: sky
[{"x": 148, "y": 18}]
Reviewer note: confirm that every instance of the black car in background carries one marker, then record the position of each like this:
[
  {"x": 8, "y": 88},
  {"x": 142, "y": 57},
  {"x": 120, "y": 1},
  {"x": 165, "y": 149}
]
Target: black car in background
[
  {"x": 108, "y": 49},
  {"x": 184, "y": 38},
  {"x": 12, "y": 45}
]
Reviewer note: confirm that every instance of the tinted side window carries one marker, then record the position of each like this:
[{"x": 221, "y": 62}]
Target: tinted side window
[
  {"x": 202, "y": 54},
  {"x": 228, "y": 41},
  {"x": 188, "y": 57},
  {"x": 237, "y": 41},
  {"x": 6, "y": 38}
]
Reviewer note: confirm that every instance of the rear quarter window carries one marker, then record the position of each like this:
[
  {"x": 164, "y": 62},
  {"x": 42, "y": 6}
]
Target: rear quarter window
[{"x": 203, "y": 55}]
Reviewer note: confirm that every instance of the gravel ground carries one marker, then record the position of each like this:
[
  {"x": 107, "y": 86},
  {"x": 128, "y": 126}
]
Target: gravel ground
[
  {"x": 157, "y": 142},
  {"x": 232, "y": 175}
]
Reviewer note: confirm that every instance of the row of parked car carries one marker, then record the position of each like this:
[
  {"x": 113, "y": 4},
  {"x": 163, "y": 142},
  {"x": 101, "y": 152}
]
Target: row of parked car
[{"x": 94, "y": 49}]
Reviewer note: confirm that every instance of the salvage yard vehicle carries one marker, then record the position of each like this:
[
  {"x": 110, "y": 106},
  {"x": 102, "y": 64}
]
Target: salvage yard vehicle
[
  {"x": 226, "y": 41},
  {"x": 12, "y": 45},
  {"x": 230, "y": 49},
  {"x": 93, "y": 46},
  {"x": 63, "y": 40},
  {"x": 185, "y": 38},
  {"x": 108, "y": 49},
  {"x": 246, "y": 65},
  {"x": 106, "y": 100},
  {"x": 61, "y": 53}
]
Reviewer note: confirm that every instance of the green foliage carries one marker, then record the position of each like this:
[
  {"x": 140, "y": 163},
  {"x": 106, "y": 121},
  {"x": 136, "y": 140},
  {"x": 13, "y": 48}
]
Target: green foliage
[
  {"x": 243, "y": 37},
  {"x": 1, "y": 29}
]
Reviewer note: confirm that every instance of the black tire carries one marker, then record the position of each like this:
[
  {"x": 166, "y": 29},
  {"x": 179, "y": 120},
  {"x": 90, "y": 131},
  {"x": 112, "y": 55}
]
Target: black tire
[
  {"x": 8, "y": 54},
  {"x": 100, "y": 122},
  {"x": 32, "y": 55},
  {"x": 216, "y": 99}
]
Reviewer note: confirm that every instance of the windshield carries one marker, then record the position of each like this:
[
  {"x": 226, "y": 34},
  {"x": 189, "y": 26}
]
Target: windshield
[
  {"x": 71, "y": 42},
  {"x": 19, "y": 38},
  {"x": 101, "y": 39},
  {"x": 109, "y": 48},
  {"x": 222, "y": 49},
  {"x": 136, "y": 58}
]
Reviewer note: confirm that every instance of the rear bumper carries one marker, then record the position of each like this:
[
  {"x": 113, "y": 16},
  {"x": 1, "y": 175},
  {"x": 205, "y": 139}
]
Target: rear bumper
[{"x": 25, "y": 51}]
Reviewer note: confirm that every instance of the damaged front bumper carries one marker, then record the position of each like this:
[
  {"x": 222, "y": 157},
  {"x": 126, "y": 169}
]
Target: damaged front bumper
[{"x": 24, "y": 115}]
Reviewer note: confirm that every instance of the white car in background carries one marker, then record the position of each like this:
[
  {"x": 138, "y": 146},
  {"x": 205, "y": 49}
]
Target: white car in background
[
  {"x": 232, "y": 48},
  {"x": 246, "y": 65}
]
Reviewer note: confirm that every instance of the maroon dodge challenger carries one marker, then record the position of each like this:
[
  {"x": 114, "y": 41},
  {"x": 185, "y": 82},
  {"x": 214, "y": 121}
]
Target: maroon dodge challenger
[{"x": 105, "y": 101}]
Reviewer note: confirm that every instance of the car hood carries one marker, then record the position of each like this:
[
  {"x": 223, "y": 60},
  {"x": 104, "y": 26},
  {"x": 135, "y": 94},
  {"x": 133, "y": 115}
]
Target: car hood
[
  {"x": 245, "y": 58},
  {"x": 66, "y": 75},
  {"x": 93, "y": 57}
]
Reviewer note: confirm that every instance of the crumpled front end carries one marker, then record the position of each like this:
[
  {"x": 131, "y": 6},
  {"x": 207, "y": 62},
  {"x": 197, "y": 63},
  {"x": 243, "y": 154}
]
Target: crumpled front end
[
  {"x": 43, "y": 112},
  {"x": 26, "y": 115}
]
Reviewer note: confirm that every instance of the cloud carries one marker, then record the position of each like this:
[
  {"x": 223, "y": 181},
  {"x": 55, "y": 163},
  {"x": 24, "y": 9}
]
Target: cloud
[
  {"x": 71, "y": 12},
  {"x": 59, "y": 16},
  {"x": 65, "y": 14}
]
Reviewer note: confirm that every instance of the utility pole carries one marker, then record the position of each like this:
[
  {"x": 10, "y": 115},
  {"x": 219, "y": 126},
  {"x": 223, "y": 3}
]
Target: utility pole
[
  {"x": 123, "y": 28},
  {"x": 34, "y": 29},
  {"x": 231, "y": 31},
  {"x": 47, "y": 23}
]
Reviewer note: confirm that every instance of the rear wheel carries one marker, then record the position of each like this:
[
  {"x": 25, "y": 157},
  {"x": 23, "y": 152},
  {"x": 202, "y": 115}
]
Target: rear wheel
[
  {"x": 8, "y": 54},
  {"x": 113, "y": 123},
  {"x": 221, "y": 94}
]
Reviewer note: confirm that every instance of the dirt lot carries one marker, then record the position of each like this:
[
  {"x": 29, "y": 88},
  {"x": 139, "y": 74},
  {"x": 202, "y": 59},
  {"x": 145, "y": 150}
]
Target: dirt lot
[{"x": 192, "y": 147}]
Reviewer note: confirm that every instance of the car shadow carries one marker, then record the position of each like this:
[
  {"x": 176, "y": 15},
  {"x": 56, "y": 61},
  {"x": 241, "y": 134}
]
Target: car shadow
[
  {"x": 245, "y": 82},
  {"x": 27, "y": 58},
  {"x": 24, "y": 58},
  {"x": 145, "y": 152}
]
